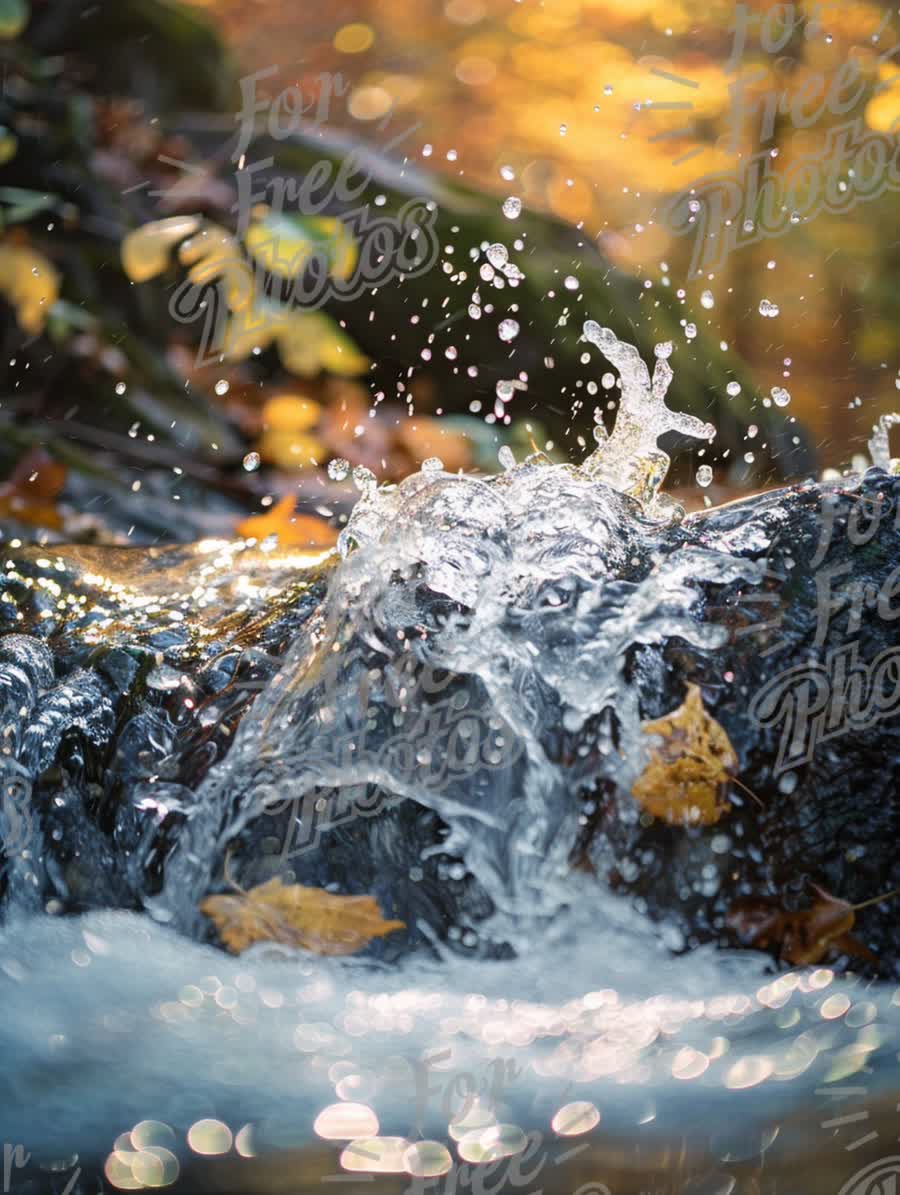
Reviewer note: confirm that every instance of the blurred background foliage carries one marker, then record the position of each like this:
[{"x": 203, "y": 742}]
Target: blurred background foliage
[
  {"x": 564, "y": 93},
  {"x": 117, "y": 127}
]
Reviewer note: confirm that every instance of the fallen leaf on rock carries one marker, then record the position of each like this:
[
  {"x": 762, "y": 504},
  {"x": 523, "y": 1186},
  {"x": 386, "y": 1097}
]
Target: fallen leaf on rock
[
  {"x": 683, "y": 781},
  {"x": 805, "y": 937},
  {"x": 323, "y": 922},
  {"x": 811, "y": 934},
  {"x": 293, "y": 530}
]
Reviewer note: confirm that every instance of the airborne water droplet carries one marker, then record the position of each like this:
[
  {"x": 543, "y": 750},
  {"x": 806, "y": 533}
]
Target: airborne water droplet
[
  {"x": 505, "y": 457},
  {"x": 338, "y": 469},
  {"x": 768, "y": 308},
  {"x": 707, "y": 300},
  {"x": 508, "y": 329},
  {"x": 780, "y": 396},
  {"x": 512, "y": 207},
  {"x": 704, "y": 475},
  {"x": 733, "y": 389},
  {"x": 364, "y": 479}
]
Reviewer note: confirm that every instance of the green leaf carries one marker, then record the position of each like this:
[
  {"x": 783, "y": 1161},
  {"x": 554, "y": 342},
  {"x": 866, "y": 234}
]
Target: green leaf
[
  {"x": 14, "y": 16},
  {"x": 23, "y": 204}
]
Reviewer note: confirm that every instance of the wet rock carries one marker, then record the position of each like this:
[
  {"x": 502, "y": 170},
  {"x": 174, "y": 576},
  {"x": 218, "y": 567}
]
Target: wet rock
[{"x": 451, "y": 717}]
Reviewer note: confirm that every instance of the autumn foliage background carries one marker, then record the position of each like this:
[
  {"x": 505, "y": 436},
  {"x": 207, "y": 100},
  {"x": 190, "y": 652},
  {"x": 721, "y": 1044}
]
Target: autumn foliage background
[
  {"x": 563, "y": 93},
  {"x": 561, "y": 103}
]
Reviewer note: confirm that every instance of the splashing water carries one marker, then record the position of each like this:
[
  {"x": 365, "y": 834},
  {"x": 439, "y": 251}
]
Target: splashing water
[
  {"x": 630, "y": 459},
  {"x": 880, "y": 445},
  {"x": 478, "y": 664}
]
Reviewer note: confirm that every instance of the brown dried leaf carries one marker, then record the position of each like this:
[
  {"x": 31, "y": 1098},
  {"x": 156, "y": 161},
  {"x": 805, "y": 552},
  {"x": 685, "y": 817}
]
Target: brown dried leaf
[
  {"x": 310, "y": 918},
  {"x": 812, "y": 933},
  {"x": 802, "y": 938},
  {"x": 683, "y": 781}
]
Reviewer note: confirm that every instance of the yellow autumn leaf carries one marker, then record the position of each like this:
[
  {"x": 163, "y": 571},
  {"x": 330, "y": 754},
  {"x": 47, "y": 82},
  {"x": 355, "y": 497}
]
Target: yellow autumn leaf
[
  {"x": 311, "y": 341},
  {"x": 30, "y": 282},
  {"x": 290, "y": 450},
  {"x": 214, "y": 253},
  {"x": 253, "y": 327},
  {"x": 285, "y": 245},
  {"x": 290, "y": 413},
  {"x": 683, "y": 781},
  {"x": 145, "y": 251},
  {"x": 293, "y": 915},
  {"x": 293, "y": 530}
]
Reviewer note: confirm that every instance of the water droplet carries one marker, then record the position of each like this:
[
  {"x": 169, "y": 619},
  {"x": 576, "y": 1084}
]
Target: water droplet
[
  {"x": 570, "y": 283},
  {"x": 704, "y": 475},
  {"x": 508, "y": 329},
  {"x": 121, "y": 387},
  {"x": 364, "y": 479},
  {"x": 768, "y": 308},
  {"x": 694, "y": 205},
  {"x": 733, "y": 389},
  {"x": 222, "y": 387},
  {"x": 338, "y": 469},
  {"x": 507, "y": 173},
  {"x": 780, "y": 396},
  {"x": 608, "y": 381},
  {"x": 251, "y": 461},
  {"x": 663, "y": 350},
  {"x": 707, "y": 300},
  {"x": 690, "y": 331},
  {"x": 563, "y": 129},
  {"x": 505, "y": 457},
  {"x": 607, "y": 90},
  {"x": 512, "y": 207},
  {"x": 433, "y": 464},
  {"x": 497, "y": 255}
]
